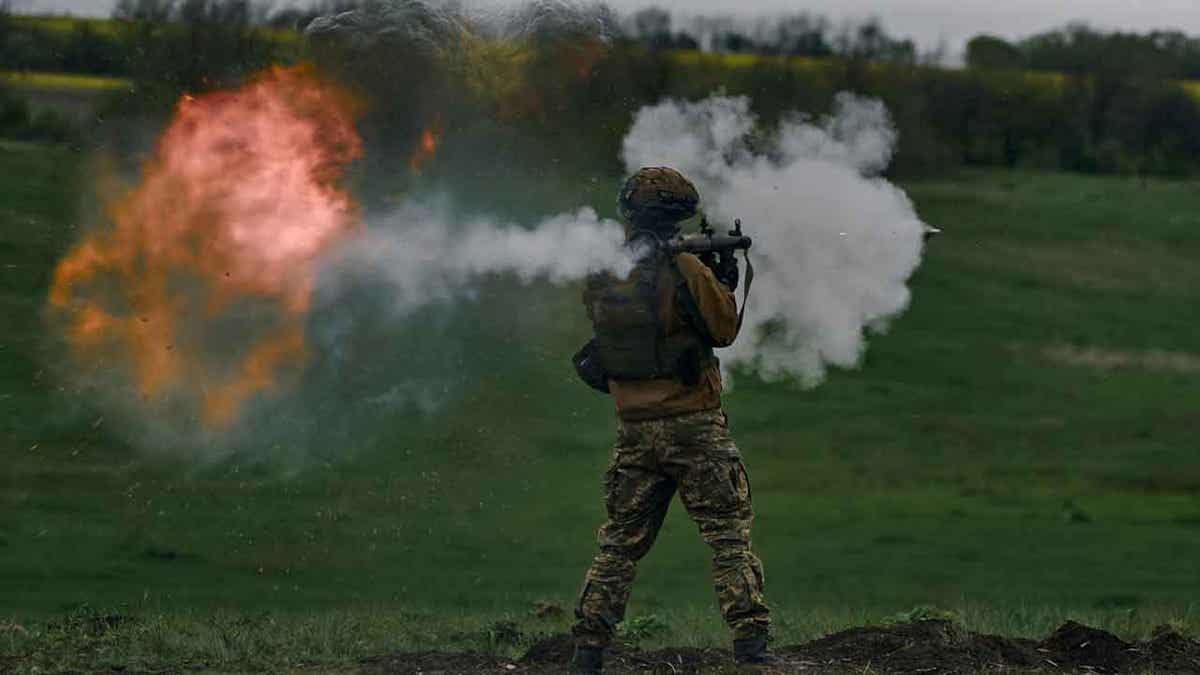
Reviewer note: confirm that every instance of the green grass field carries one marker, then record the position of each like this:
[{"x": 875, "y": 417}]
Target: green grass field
[{"x": 1020, "y": 448}]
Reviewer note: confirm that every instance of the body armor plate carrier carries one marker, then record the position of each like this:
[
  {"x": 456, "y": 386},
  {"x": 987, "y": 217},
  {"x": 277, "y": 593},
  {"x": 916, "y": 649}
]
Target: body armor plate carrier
[{"x": 626, "y": 314}]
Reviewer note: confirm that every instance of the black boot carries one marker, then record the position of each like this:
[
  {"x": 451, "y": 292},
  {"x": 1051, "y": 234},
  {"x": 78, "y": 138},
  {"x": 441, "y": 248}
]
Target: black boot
[
  {"x": 752, "y": 651},
  {"x": 587, "y": 661}
]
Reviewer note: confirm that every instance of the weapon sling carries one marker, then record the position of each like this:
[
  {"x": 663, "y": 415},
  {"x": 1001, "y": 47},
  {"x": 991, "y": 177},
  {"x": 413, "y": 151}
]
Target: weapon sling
[{"x": 746, "y": 290}]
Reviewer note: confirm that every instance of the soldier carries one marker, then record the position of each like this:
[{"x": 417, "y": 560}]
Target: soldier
[{"x": 654, "y": 334}]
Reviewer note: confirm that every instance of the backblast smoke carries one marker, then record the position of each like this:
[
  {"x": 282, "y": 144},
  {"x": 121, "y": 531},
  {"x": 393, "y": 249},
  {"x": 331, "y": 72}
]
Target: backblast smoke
[{"x": 422, "y": 255}]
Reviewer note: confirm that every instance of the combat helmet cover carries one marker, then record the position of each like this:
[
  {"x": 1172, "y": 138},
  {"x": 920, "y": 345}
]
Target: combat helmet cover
[{"x": 658, "y": 194}]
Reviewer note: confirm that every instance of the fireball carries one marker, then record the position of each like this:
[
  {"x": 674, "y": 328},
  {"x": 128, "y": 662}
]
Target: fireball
[{"x": 198, "y": 283}]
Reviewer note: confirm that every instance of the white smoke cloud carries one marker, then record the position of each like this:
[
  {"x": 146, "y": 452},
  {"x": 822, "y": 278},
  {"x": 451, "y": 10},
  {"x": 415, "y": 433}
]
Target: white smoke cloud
[
  {"x": 834, "y": 243},
  {"x": 425, "y": 256}
]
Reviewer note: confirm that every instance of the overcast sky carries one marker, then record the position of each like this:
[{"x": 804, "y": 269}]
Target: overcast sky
[{"x": 928, "y": 21}]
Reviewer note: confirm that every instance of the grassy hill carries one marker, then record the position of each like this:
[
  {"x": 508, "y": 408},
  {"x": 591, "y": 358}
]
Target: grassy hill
[{"x": 1019, "y": 448}]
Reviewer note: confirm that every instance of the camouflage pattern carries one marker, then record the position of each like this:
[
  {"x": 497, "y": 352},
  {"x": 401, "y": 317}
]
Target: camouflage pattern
[
  {"x": 658, "y": 193},
  {"x": 695, "y": 455}
]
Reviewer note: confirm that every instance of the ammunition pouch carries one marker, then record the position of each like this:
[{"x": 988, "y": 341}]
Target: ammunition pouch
[
  {"x": 588, "y": 368},
  {"x": 629, "y": 341}
]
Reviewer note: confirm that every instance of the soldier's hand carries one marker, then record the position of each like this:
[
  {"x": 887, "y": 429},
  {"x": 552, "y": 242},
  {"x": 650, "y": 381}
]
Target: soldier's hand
[
  {"x": 710, "y": 260},
  {"x": 727, "y": 271}
]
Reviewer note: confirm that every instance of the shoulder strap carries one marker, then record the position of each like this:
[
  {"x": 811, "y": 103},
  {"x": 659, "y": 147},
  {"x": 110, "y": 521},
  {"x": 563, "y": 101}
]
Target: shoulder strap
[{"x": 745, "y": 290}]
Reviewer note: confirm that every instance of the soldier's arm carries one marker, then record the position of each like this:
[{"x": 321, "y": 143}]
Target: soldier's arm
[{"x": 716, "y": 303}]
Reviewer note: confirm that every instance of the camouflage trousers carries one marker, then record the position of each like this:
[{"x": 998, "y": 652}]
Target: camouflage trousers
[{"x": 694, "y": 455}]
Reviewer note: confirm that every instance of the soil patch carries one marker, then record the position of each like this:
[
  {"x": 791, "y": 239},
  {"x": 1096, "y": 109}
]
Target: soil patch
[{"x": 919, "y": 647}]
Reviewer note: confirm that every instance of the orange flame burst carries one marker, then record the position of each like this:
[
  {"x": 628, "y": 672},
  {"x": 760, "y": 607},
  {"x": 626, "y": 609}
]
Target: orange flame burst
[
  {"x": 427, "y": 145},
  {"x": 220, "y": 238}
]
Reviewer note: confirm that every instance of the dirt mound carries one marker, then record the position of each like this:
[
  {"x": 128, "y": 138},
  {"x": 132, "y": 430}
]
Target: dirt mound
[
  {"x": 1168, "y": 652},
  {"x": 1075, "y": 646},
  {"x": 1080, "y": 648},
  {"x": 922, "y": 647},
  {"x": 932, "y": 646}
]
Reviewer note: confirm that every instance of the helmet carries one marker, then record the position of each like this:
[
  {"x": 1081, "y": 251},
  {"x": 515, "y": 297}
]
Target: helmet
[{"x": 658, "y": 195}]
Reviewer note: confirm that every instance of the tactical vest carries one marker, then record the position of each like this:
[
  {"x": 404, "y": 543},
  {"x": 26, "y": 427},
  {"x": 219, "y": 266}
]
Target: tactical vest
[{"x": 626, "y": 316}]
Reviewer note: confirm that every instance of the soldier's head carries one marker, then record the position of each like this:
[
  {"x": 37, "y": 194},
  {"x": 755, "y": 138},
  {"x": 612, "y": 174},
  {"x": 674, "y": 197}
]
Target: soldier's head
[{"x": 658, "y": 199}]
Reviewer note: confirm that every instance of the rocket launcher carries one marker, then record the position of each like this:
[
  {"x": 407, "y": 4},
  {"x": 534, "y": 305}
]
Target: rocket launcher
[{"x": 708, "y": 241}]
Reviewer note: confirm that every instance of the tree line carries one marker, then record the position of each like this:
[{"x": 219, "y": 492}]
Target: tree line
[
  {"x": 30, "y": 45},
  {"x": 795, "y": 34},
  {"x": 1079, "y": 49},
  {"x": 1073, "y": 98}
]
